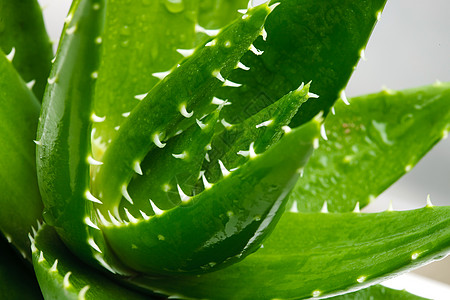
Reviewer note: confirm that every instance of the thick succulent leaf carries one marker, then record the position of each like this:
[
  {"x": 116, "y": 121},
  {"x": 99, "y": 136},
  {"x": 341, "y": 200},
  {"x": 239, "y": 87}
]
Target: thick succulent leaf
[
  {"x": 232, "y": 144},
  {"x": 20, "y": 201},
  {"x": 22, "y": 31},
  {"x": 318, "y": 254},
  {"x": 64, "y": 148},
  {"x": 306, "y": 40},
  {"x": 144, "y": 38},
  {"x": 17, "y": 280},
  {"x": 62, "y": 276},
  {"x": 371, "y": 144},
  {"x": 378, "y": 292},
  {"x": 174, "y": 104},
  {"x": 224, "y": 223}
]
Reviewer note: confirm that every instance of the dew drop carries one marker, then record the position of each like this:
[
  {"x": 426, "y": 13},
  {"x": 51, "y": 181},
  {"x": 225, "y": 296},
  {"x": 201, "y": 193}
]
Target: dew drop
[{"x": 174, "y": 6}]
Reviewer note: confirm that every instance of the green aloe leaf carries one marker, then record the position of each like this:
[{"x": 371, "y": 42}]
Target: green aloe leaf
[
  {"x": 378, "y": 292},
  {"x": 148, "y": 38},
  {"x": 354, "y": 250},
  {"x": 371, "y": 144},
  {"x": 20, "y": 201},
  {"x": 16, "y": 275},
  {"x": 236, "y": 213},
  {"x": 22, "y": 31},
  {"x": 306, "y": 40},
  {"x": 62, "y": 276}
]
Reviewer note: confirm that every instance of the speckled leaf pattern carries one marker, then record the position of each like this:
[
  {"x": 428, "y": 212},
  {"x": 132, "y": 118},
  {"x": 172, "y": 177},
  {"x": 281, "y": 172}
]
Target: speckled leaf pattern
[
  {"x": 19, "y": 112},
  {"x": 22, "y": 25},
  {"x": 352, "y": 249},
  {"x": 371, "y": 144}
]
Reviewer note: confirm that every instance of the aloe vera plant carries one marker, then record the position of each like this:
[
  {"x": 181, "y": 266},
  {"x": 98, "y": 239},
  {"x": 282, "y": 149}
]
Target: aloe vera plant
[{"x": 206, "y": 150}]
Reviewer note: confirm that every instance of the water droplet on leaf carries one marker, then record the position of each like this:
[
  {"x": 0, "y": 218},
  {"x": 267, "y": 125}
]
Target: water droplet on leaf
[{"x": 174, "y": 6}]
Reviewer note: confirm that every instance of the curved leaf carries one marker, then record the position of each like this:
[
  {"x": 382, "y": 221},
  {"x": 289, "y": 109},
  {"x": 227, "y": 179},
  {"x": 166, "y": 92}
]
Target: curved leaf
[
  {"x": 22, "y": 31},
  {"x": 306, "y": 40},
  {"x": 371, "y": 144},
  {"x": 20, "y": 201},
  {"x": 318, "y": 254}
]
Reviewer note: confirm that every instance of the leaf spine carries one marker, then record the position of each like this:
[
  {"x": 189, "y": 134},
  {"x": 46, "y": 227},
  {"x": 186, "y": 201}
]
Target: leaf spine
[
  {"x": 429, "y": 204},
  {"x": 211, "y": 43},
  {"x": 11, "y": 54},
  {"x": 97, "y": 119},
  {"x": 54, "y": 267},
  {"x": 91, "y": 197},
  {"x": 71, "y": 30},
  {"x": 182, "y": 155},
  {"x": 240, "y": 65},
  {"x": 126, "y": 114},
  {"x": 264, "y": 124},
  {"x": 264, "y": 34},
  {"x": 323, "y": 132},
  {"x": 209, "y": 32},
  {"x": 251, "y": 150},
  {"x": 183, "y": 196},
  {"x": 206, "y": 184},
  {"x": 66, "y": 281},
  {"x": 92, "y": 243},
  {"x": 137, "y": 168},
  {"x": 155, "y": 208},
  {"x": 93, "y": 162},
  {"x": 255, "y": 51},
  {"x": 161, "y": 75},
  {"x": 344, "y": 97},
  {"x": 125, "y": 193},
  {"x": 186, "y": 52},
  {"x": 130, "y": 216},
  {"x": 225, "y": 123},
  {"x": 141, "y": 96},
  {"x": 223, "y": 169},
  {"x": 144, "y": 215},
  {"x": 89, "y": 223},
  {"x": 103, "y": 219},
  {"x": 200, "y": 124},
  {"x": 30, "y": 84},
  {"x": 357, "y": 209},
  {"x": 157, "y": 141},
  {"x": 82, "y": 293},
  {"x": 114, "y": 221},
  {"x": 324, "y": 207},
  {"x": 184, "y": 111}
]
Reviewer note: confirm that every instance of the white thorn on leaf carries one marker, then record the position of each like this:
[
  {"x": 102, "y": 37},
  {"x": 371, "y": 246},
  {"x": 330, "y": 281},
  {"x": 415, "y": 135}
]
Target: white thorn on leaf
[
  {"x": 265, "y": 123},
  {"x": 140, "y": 97},
  {"x": 286, "y": 129},
  {"x": 333, "y": 111},
  {"x": 11, "y": 54},
  {"x": 89, "y": 222},
  {"x": 130, "y": 216},
  {"x": 264, "y": 34},
  {"x": 83, "y": 291},
  {"x": 161, "y": 75},
  {"x": 273, "y": 6},
  {"x": 93, "y": 162},
  {"x": 156, "y": 209},
  {"x": 94, "y": 75},
  {"x": 356, "y": 209},
  {"x": 200, "y": 124},
  {"x": 211, "y": 43},
  {"x": 429, "y": 204},
  {"x": 41, "y": 257},
  {"x": 91, "y": 197},
  {"x": 294, "y": 207},
  {"x": 242, "y": 11},
  {"x": 182, "y": 155},
  {"x": 208, "y": 147},
  {"x": 183, "y": 196},
  {"x": 37, "y": 142},
  {"x": 184, "y": 111},
  {"x": 125, "y": 193},
  {"x": 218, "y": 76},
  {"x": 68, "y": 18},
  {"x": 51, "y": 80},
  {"x": 117, "y": 128},
  {"x": 98, "y": 40},
  {"x": 312, "y": 95},
  {"x": 97, "y": 119},
  {"x": 209, "y": 32},
  {"x": 251, "y": 150},
  {"x": 316, "y": 143},
  {"x": 206, "y": 184},
  {"x": 144, "y": 215},
  {"x": 324, "y": 207},
  {"x": 223, "y": 169},
  {"x": 220, "y": 102},
  {"x": 137, "y": 168},
  {"x": 231, "y": 83},
  {"x": 157, "y": 141},
  {"x": 244, "y": 153},
  {"x": 225, "y": 123},
  {"x": 255, "y": 51},
  {"x": 30, "y": 84},
  {"x": 390, "y": 207},
  {"x": 113, "y": 219},
  {"x": 242, "y": 66},
  {"x": 344, "y": 97},
  {"x": 71, "y": 30},
  {"x": 54, "y": 267},
  {"x": 92, "y": 243},
  {"x": 207, "y": 157},
  {"x": 186, "y": 52},
  {"x": 103, "y": 219},
  {"x": 126, "y": 114},
  {"x": 66, "y": 282},
  {"x": 250, "y": 4},
  {"x": 100, "y": 259},
  {"x": 362, "y": 54},
  {"x": 316, "y": 293},
  {"x": 323, "y": 132},
  {"x": 361, "y": 279}
]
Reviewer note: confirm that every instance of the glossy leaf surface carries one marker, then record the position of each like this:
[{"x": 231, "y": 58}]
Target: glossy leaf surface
[
  {"x": 19, "y": 198},
  {"x": 22, "y": 31},
  {"x": 354, "y": 250},
  {"x": 312, "y": 40},
  {"x": 371, "y": 144}
]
